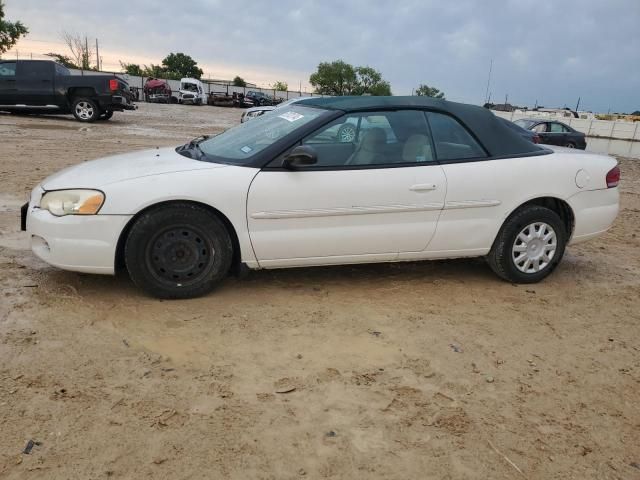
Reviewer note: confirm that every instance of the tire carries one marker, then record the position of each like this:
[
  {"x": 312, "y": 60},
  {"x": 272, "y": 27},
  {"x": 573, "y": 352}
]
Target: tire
[
  {"x": 347, "y": 133},
  {"x": 85, "y": 109},
  {"x": 178, "y": 251},
  {"x": 510, "y": 252},
  {"x": 570, "y": 145},
  {"x": 106, "y": 115}
]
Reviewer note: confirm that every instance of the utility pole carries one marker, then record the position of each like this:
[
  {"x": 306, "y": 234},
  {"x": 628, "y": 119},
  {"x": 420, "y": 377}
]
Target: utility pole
[
  {"x": 486, "y": 95},
  {"x": 97, "y": 56},
  {"x": 578, "y": 105},
  {"x": 85, "y": 57}
]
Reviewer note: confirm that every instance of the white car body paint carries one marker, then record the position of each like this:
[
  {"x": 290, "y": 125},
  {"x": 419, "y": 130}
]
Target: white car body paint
[{"x": 299, "y": 218}]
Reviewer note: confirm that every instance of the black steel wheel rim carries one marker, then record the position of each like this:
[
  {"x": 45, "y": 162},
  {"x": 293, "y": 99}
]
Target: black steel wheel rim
[{"x": 180, "y": 255}]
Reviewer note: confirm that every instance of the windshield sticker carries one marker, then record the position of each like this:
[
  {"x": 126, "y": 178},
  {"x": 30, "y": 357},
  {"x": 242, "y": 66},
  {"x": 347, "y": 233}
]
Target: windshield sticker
[
  {"x": 291, "y": 116},
  {"x": 246, "y": 149}
]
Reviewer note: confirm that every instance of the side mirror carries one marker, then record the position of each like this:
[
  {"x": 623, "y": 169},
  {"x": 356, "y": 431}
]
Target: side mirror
[{"x": 300, "y": 156}]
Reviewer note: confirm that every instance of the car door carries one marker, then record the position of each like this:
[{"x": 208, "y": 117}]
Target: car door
[
  {"x": 556, "y": 134},
  {"x": 541, "y": 129},
  {"x": 35, "y": 83},
  {"x": 475, "y": 191},
  {"x": 366, "y": 200},
  {"x": 8, "y": 88}
]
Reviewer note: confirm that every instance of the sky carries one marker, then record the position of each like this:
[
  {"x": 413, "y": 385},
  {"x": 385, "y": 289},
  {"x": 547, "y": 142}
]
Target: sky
[{"x": 545, "y": 52}]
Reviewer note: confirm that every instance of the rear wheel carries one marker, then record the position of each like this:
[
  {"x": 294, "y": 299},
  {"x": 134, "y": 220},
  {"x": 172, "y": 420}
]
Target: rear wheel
[
  {"x": 529, "y": 246},
  {"x": 178, "y": 251},
  {"x": 570, "y": 145},
  {"x": 85, "y": 110}
]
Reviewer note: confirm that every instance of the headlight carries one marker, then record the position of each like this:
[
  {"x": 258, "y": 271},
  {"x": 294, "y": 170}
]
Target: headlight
[{"x": 72, "y": 202}]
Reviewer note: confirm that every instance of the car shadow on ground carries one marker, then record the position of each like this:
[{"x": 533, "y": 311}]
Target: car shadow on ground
[
  {"x": 360, "y": 277},
  {"x": 64, "y": 120}
]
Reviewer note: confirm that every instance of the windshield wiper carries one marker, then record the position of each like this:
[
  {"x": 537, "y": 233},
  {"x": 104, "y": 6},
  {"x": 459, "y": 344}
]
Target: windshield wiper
[{"x": 194, "y": 145}]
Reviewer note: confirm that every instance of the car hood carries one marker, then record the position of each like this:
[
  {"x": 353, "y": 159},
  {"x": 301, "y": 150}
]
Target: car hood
[{"x": 104, "y": 171}]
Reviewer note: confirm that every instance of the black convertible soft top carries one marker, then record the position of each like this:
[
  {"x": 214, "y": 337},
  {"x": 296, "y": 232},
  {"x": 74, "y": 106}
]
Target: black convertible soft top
[{"x": 497, "y": 138}]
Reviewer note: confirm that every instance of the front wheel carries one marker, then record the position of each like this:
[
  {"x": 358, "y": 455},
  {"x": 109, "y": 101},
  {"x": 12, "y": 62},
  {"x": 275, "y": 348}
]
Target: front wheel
[
  {"x": 85, "y": 110},
  {"x": 178, "y": 251},
  {"x": 529, "y": 246}
]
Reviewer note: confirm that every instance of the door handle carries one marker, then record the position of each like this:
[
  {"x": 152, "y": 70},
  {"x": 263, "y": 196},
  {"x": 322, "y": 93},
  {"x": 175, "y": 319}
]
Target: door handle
[{"x": 423, "y": 187}]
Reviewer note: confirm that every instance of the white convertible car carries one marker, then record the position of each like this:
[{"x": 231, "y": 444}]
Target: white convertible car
[{"x": 425, "y": 179}]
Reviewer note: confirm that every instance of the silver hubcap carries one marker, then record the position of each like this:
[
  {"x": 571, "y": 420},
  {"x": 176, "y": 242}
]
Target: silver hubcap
[
  {"x": 534, "y": 247},
  {"x": 84, "y": 110},
  {"x": 348, "y": 135}
]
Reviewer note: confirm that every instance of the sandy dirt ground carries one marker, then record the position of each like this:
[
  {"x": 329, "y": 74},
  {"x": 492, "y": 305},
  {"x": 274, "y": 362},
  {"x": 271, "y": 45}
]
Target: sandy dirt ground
[{"x": 434, "y": 370}]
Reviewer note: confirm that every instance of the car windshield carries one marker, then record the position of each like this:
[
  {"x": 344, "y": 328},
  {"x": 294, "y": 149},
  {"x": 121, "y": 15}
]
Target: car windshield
[
  {"x": 240, "y": 143},
  {"x": 524, "y": 123}
]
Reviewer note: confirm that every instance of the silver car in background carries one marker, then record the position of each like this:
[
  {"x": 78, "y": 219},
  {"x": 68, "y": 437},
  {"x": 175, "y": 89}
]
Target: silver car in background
[{"x": 254, "y": 112}]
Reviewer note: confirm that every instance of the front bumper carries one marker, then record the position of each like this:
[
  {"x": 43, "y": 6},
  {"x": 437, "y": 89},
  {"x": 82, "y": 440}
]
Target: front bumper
[{"x": 81, "y": 243}]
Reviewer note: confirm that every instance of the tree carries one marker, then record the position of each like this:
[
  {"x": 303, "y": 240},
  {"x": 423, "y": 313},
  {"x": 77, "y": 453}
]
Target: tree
[
  {"x": 280, "y": 86},
  {"x": 132, "y": 69},
  {"x": 335, "y": 78},
  {"x": 238, "y": 81},
  {"x": 155, "y": 71},
  {"x": 427, "y": 91},
  {"x": 636, "y": 113},
  {"x": 179, "y": 65},
  {"x": 340, "y": 78},
  {"x": 62, "y": 60},
  {"x": 10, "y": 32},
  {"x": 81, "y": 52},
  {"x": 369, "y": 82}
]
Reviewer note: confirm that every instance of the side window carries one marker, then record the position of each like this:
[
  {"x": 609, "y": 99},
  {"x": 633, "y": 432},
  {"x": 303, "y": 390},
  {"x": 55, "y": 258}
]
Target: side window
[
  {"x": 452, "y": 140},
  {"x": 8, "y": 69},
  {"x": 35, "y": 70},
  {"x": 556, "y": 128},
  {"x": 540, "y": 128},
  {"x": 373, "y": 138},
  {"x": 62, "y": 71}
]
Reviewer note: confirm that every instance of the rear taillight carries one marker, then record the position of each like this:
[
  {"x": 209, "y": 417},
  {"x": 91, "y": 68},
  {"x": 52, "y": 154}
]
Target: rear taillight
[
  {"x": 536, "y": 139},
  {"x": 113, "y": 85},
  {"x": 613, "y": 177}
]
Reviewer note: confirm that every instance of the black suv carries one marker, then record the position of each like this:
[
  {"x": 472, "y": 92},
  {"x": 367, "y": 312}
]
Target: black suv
[
  {"x": 257, "y": 99},
  {"x": 38, "y": 86}
]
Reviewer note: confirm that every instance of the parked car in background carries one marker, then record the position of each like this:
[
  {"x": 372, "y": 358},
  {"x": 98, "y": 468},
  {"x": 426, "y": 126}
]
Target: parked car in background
[
  {"x": 283, "y": 190},
  {"x": 192, "y": 92},
  {"x": 257, "y": 99},
  {"x": 157, "y": 90},
  {"x": 254, "y": 112},
  {"x": 552, "y": 132},
  {"x": 46, "y": 87},
  {"x": 533, "y": 137}
]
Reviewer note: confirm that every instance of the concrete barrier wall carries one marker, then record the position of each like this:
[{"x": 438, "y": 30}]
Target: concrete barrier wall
[{"x": 603, "y": 136}]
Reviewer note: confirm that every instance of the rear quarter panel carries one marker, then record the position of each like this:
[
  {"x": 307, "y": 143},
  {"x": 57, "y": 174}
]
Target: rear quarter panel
[{"x": 482, "y": 194}]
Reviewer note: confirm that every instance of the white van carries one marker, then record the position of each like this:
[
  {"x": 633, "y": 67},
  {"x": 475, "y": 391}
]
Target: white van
[{"x": 192, "y": 92}]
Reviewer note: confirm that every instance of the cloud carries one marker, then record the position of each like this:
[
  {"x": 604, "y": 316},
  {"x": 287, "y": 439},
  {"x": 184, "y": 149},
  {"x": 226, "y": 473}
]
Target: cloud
[{"x": 554, "y": 51}]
